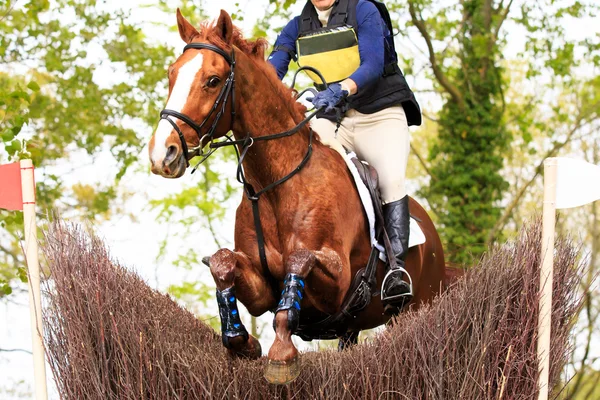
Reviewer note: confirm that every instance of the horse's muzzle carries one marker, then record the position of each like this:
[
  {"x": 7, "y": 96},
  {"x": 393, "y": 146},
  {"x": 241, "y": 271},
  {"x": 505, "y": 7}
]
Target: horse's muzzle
[{"x": 170, "y": 169}]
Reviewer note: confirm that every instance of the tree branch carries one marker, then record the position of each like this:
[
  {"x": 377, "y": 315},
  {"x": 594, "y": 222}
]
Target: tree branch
[
  {"x": 523, "y": 189},
  {"x": 439, "y": 74},
  {"x": 429, "y": 117},
  {"x": 10, "y": 8},
  {"x": 499, "y": 6},
  {"x": 501, "y": 21},
  {"x": 9, "y": 253},
  {"x": 15, "y": 350},
  {"x": 422, "y": 162},
  {"x": 487, "y": 14},
  {"x": 428, "y": 171},
  {"x": 493, "y": 38}
]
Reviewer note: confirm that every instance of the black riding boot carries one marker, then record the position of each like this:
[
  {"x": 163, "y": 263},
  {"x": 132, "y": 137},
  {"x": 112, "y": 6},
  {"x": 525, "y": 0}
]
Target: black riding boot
[{"x": 396, "y": 290}]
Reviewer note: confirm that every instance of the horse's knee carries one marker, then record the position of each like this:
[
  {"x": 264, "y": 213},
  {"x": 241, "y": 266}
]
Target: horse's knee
[
  {"x": 222, "y": 268},
  {"x": 300, "y": 262}
]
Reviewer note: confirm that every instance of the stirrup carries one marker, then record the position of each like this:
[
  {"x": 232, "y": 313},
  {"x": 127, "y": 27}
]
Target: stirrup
[{"x": 391, "y": 299}]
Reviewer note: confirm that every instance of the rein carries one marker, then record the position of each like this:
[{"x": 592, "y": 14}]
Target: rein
[
  {"x": 253, "y": 195},
  {"x": 228, "y": 91}
]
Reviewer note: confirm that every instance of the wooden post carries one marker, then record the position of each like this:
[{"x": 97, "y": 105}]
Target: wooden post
[
  {"x": 546, "y": 275},
  {"x": 33, "y": 267}
]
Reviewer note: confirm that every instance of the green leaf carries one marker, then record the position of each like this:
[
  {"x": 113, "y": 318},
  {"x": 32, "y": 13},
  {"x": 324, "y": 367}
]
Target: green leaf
[
  {"x": 33, "y": 86},
  {"x": 5, "y": 289},
  {"x": 7, "y": 135},
  {"x": 22, "y": 274}
]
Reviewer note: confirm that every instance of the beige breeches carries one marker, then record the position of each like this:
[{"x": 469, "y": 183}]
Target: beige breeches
[{"x": 382, "y": 139}]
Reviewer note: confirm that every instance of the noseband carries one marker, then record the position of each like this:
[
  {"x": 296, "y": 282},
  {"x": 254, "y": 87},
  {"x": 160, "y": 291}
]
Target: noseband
[{"x": 226, "y": 90}]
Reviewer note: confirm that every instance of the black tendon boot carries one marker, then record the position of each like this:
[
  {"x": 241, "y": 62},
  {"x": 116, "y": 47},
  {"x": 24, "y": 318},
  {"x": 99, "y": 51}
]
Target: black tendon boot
[{"x": 396, "y": 290}]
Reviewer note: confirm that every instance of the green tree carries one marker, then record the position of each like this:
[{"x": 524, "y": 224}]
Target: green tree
[
  {"x": 465, "y": 44},
  {"x": 74, "y": 78}
]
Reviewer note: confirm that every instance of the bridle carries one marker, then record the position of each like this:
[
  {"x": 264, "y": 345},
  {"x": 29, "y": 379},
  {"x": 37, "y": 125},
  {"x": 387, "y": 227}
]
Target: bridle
[{"x": 226, "y": 91}]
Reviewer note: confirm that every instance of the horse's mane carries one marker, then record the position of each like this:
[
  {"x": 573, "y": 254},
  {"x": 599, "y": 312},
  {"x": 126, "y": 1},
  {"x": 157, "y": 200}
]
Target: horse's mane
[{"x": 255, "y": 49}]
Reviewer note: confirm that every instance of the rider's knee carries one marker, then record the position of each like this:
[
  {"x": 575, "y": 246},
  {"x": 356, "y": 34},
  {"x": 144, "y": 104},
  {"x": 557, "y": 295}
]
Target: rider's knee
[{"x": 392, "y": 189}]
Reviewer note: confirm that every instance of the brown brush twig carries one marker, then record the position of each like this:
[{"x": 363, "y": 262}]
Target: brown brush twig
[{"x": 110, "y": 336}]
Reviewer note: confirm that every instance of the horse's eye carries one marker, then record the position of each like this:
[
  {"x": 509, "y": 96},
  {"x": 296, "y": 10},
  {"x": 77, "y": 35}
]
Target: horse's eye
[{"x": 213, "y": 81}]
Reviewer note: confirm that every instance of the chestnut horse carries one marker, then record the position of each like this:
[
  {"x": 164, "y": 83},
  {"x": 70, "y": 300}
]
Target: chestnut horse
[{"x": 313, "y": 224}]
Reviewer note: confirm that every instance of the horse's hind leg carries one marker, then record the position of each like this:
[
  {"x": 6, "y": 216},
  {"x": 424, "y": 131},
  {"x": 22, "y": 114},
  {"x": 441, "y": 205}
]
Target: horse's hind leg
[
  {"x": 236, "y": 278},
  {"x": 283, "y": 365}
]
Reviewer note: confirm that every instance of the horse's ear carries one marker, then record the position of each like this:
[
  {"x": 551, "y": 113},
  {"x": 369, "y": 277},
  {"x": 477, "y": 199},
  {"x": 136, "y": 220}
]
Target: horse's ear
[
  {"x": 224, "y": 27},
  {"x": 186, "y": 30}
]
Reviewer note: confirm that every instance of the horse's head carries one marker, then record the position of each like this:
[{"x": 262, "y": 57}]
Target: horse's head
[{"x": 199, "y": 106}]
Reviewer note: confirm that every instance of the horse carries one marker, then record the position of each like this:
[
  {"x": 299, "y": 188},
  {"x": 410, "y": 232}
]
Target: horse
[{"x": 298, "y": 248}]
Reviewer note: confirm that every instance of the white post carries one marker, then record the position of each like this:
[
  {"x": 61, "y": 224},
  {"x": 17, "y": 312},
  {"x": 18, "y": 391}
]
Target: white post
[
  {"x": 33, "y": 267},
  {"x": 545, "y": 316}
]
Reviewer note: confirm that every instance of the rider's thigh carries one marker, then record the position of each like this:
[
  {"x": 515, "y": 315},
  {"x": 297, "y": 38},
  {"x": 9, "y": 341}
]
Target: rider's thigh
[
  {"x": 383, "y": 140},
  {"x": 326, "y": 130}
]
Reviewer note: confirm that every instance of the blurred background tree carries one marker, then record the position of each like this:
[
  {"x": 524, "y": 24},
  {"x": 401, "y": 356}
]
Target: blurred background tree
[{"x": 56, "y": 103}]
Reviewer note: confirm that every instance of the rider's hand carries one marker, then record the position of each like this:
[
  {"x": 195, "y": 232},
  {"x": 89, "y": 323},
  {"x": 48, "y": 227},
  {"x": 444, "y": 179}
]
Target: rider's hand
[{"x": 329, "y": 98}]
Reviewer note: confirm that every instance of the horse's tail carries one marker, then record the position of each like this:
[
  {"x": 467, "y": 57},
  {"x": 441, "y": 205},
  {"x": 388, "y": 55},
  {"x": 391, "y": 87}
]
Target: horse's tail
[{"x": 452, "y": 274}]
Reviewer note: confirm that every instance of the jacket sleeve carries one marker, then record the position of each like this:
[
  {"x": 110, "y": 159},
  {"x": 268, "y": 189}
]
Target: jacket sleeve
[
  {"x": 371, "y": 44},
  {"x": 285, "y": 48}
]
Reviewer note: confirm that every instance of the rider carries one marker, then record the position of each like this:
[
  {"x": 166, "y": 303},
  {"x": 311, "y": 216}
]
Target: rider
[{"x": 368, "y": 107}]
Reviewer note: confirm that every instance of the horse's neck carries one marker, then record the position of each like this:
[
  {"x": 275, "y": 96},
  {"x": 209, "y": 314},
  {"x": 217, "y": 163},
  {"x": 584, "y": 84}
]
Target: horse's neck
[{"x": 263, "y": 112}]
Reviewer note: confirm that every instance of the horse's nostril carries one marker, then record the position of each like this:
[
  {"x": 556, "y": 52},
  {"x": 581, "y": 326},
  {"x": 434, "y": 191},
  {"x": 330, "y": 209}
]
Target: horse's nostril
[{"x": 171, "y": 153}]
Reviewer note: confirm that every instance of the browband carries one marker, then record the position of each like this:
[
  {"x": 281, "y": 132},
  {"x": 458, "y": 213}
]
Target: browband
[{"x": 208, "y": 46}]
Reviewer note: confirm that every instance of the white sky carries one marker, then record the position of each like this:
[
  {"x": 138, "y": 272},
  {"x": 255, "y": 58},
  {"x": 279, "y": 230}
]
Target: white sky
[{"x": 136, "y": 244}]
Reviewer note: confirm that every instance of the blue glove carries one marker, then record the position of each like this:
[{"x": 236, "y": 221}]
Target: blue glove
[{"x": 329, "y": 98}]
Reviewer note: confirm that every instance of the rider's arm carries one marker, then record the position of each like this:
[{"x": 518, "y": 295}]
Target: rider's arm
[
  {"x": 371, "y": 47},
  {"x": 285, "y": 48}
]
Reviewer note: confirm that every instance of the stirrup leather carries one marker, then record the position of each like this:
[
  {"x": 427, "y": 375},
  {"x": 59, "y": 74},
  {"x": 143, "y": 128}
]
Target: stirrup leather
[{"x": 390, "y": 299}]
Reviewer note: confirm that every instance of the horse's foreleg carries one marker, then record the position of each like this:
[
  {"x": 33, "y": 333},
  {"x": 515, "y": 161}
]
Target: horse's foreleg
[
  {"x": 283, "y": 365},
  {"x": 235, "y": 278}
]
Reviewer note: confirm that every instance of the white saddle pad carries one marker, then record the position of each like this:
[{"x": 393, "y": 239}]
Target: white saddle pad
[{"x": 416, "y": 235}]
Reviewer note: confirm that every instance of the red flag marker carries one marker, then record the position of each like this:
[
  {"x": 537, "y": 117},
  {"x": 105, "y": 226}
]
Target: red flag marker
[
  {"x": 17, "y": 192},
  {"x": 11, "y": 196}
]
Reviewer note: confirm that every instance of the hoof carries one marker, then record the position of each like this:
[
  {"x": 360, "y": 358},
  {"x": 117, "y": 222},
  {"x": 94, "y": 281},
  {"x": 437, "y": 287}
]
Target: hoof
[
  {"x": 245, "y": 348},
  {"x": 282, "y": 372}
]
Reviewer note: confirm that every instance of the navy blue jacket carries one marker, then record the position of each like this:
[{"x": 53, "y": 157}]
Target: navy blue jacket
[
  {"x": 380, "y": 81},
  {"x": 371, "y": 36}
]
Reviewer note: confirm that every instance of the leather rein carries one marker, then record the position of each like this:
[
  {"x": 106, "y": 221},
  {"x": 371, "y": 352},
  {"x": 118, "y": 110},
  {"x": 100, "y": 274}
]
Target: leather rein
[{"x": 227, "y": 92}]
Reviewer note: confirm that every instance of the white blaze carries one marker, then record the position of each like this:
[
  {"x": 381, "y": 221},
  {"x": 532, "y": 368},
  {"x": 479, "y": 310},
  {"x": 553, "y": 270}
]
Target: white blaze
[{"x": 178, "y": 98}]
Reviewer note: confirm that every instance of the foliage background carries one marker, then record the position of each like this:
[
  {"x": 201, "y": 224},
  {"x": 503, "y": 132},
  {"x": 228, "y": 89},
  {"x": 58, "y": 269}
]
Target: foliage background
[{"x": 503, "y": 84}]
